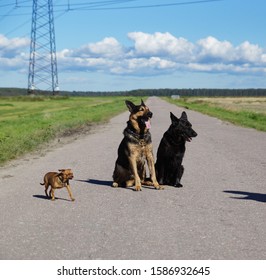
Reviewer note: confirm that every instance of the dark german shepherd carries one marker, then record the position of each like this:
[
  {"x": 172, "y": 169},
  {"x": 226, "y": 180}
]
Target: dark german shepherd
[
  {"x": 169, "y": 168},
  {"x": 135, "y": 149}
]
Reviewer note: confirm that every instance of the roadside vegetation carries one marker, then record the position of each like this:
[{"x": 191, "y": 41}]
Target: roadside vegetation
[
  {"x": 28, "y": 122},
  {"x": 243, "y": 111}
]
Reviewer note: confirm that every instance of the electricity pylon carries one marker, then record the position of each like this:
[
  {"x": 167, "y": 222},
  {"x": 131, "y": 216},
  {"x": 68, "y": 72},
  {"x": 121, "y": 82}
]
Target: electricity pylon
[{"x": 42, "y": 63}]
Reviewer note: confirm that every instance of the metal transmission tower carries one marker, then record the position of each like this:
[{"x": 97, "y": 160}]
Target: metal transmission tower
[{"x": 42, "y": 64}]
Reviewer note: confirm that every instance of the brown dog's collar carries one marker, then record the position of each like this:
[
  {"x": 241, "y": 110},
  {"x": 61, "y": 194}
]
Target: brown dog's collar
[
  {"x": 141, "y": 139},
  {"x": 61, "y": 180}
]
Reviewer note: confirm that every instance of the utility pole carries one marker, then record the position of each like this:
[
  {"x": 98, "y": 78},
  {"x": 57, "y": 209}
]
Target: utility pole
[{"x": 42, "y": 63}]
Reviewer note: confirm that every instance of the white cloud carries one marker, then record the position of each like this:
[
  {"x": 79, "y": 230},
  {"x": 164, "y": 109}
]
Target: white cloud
[
  {"x": 250, "y": 53},
  {"x": 149, "y": 54},
  {"x": 161, "y": 44},
  {"x": 12, "y": 47},
  {"x": 12, "y": 53},
  {"x": 161, "y": 53},
  {"x": 139, "y": 66},
  {"x": 210, "y": 48},
  {"x": 108, "y": 47}
]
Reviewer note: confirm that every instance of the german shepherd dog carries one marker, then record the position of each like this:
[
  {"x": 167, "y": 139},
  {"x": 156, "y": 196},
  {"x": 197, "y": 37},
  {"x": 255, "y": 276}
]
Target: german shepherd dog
[
  {"x": 135, "y": 149},
  {"x": 170, "y": 153}
]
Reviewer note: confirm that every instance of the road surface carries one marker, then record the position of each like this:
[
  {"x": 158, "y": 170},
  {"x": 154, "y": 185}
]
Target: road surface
[{"x": 219, "y": 213}]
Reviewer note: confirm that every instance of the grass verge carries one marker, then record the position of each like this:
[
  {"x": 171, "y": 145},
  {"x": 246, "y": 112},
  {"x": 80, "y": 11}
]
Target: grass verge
[
  {"x": 28, "y": 122},
  {"x": 229, "y": 110}
]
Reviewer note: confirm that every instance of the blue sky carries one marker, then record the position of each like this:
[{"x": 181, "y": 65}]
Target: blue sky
[{"x": 186, "y": 44}]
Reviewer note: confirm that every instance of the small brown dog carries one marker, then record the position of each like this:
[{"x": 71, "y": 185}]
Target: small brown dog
[{"x": 58, "y": 181}]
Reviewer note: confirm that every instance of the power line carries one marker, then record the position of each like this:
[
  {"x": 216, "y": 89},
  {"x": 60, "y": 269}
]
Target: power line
[
  {"x": 60, "y": 14},
  {"x": 100, "y": 6},
  {"x": 18, "y": 27},
  {"x": 98, "y": 3},
  {"x": 15, "y": 4},
  {"x": 148, "y": 6},
  {"x": 92, "y": 4}
]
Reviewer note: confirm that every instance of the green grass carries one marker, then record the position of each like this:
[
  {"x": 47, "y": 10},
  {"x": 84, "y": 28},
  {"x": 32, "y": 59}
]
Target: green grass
[
  {"x": 234, "y": 110},
  {"x": 28, "y": 122}
]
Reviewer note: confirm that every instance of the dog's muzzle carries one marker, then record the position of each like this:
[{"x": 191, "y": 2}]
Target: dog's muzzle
[{"x": 149, "y": 114}]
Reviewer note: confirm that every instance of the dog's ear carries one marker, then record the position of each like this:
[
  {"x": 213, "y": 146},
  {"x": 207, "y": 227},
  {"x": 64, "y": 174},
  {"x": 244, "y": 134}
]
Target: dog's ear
[
  {"x": 174, "y": 119},
  {"x": 184, "y": 116},
  {"x": 130, "y": 106},
  {"x": 61, "y": 170},
  {"x": 142, "y": 103}
]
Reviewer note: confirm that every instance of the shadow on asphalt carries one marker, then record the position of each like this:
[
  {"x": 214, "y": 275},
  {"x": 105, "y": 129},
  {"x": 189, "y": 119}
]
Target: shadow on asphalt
[
  {"x": 101, "y": 183},
  {"x": 109, "y": 184},
  {"x": 48, "y": 198},
  {"x": 97, "y": 182},
  {"x": 260, "y": 197}
]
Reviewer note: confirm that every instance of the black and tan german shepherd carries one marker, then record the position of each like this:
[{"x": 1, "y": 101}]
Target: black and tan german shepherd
[
  {"x": 135, "y": 149},
  {"x": 170, "y": 153}
]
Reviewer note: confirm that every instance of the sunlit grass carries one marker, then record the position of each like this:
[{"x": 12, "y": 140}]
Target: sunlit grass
[
  {"x": 244, "y": 111},
  {"x": 28, "y": 122}
]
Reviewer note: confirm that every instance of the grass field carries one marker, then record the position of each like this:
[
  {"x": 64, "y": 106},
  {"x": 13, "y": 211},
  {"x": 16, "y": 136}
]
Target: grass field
[
  {"x": 28, "y": 122},
  {"x": 244, "y": 111}
]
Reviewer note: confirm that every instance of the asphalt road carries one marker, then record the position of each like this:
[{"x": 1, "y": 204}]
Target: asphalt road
[{"x": 219, "y": 214}]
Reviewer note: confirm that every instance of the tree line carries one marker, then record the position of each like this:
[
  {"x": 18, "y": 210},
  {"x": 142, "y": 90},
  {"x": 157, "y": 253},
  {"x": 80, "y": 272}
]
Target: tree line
[
  {"x": 178, "y": 92},
  {"x": 146, "y": 92}
]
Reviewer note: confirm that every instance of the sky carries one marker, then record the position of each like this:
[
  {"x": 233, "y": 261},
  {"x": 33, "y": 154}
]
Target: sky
[{"x": 116, "y": 45}]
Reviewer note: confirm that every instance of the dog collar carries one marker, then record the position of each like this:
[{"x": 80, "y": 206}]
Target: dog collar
[
  {"x": 138, "y": 139},
  {"x": 61, "y": 181}
]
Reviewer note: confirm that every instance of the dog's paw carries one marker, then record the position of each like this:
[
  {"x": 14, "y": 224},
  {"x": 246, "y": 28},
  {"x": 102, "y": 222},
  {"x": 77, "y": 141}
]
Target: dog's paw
[
  {"x": 72, "y": 199},
  {"x": 178, "y": 185},
  {"x": 115, "y": 185},
  {"x": 138, "y": 188},
  {"x": 159, "y": 187}
]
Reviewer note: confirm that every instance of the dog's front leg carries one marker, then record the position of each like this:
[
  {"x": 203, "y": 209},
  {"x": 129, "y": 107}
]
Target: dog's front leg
[
  {"x": 150, "y": 161},
  {"x": 180, "y": 171},
  {"x": 69, "y": 192},
  {"x": 52, "y": 194},
  {"x": 160, "y": 173},
  {"x": 134, "y": 168}
]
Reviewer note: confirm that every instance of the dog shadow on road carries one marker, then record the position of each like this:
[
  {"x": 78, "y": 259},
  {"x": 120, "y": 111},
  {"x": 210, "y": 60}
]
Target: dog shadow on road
[
  {"x": 260, "y": 197},
  {"x": 108, "y": 184},
  {"x": 41, "y": 196},
  {"x": 97, "y": 182},
  {"x": 48, "y": 198}
]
